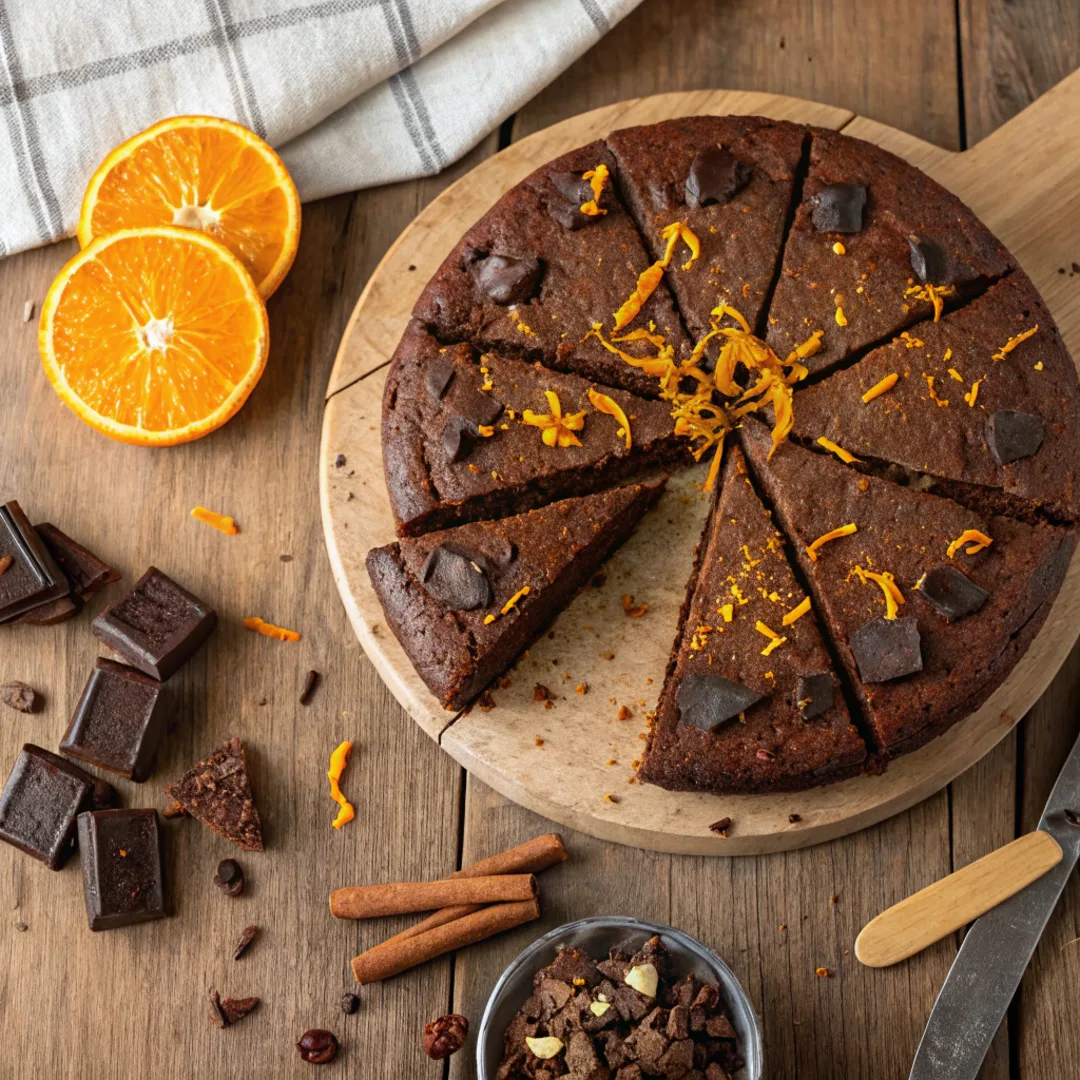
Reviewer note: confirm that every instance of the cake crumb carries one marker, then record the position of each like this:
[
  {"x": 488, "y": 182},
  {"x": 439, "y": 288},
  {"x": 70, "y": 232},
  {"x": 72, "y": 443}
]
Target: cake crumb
[
  {"x": 542, "y": 693},
  {"x": 610, "y": 799},
  {"x": 539, "y": 741},
  {"x": 822, "y": 972},
  {"x": 625, "y": 713},
  {"x": 721, "y": 827},
  {"x": 794, "y": 818},
  {"x": 581, "y": 688},
  {"x": 632, "y": 610}
]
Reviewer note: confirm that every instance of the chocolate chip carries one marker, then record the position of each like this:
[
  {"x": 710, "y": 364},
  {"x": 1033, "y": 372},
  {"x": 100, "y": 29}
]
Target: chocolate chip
[
  {"x": 715, "y": 176},
  {"x": 229, "y": 877},
  {"x": 467, "y": 400},
  {"x": 17, "y": 695},
  {"x": 838, "y": 208},
  {"x": 349, "y": 1004},
  {"x": 569, "y": 215},
  {"x": 318, "y": 1047},
  {"x": 507, "y": 279},
  {"x": 458, "y": 578},
  {"x": 706, "y": 701},
  {"x": 246, "y": 938},
  {"x": 814, "y": 693},
  {"x": 887, "y": 649},
  {"x": 438, "y": 374},
  {"x": 930, "y": 262},
  {"x": 1012, "y": 435},
  {"x": 459, "y": 437},
  {"x": 951, "y": 592},
  {"x": 572, "y": 186}
]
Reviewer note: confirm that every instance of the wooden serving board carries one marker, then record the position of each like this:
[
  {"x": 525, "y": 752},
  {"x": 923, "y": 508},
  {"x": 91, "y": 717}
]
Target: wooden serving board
[{"x": 573, "y": 762}]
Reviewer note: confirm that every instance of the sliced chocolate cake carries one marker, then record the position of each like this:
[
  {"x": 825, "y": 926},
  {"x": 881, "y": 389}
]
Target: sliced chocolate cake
[
  {"x": 750, "y": 702},
  {"x": 987, "y": 398},
  {"x": 928, "y": 604},
  {"x": 730, "y": 179},
  {"x": 875, "y": 246},
  {"x": 554, "y": 256},
  {"x": 469, "y": 436},
  {"x": 464, "y": 602}
]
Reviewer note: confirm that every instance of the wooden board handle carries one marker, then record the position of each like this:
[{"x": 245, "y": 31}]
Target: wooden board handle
[{"x": 954, "y": 901}]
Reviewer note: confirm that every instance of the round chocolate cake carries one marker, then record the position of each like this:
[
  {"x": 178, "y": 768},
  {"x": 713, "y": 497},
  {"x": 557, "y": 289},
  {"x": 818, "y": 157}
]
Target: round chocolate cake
[{"x": 884, "y": 411}]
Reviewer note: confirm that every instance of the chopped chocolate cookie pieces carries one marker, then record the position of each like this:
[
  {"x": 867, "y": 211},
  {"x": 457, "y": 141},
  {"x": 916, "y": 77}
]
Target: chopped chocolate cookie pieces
[
  {"x": 838, "y": 208},
  {"x": 887, "y": 649},
  {"x": 123, "y": 879},
  {"x": 951, "y": 592},
  {"x": 1012, "y": 435},
  {"x": 707, "y": 701},
  {"x": 31, "y": 577},
  {"x": 457, "y": 578}
]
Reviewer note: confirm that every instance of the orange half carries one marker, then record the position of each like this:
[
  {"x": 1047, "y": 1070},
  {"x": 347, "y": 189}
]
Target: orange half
[
  {"x": 205, "y": 174},
  {"x": 154, "y": 336}
]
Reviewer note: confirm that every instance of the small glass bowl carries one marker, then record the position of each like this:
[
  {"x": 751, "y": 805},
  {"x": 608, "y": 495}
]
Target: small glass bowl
[{"x": 596, "y": 936}]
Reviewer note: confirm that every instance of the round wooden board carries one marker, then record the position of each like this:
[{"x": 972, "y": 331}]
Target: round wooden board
[{"x": 573, "y": 762}]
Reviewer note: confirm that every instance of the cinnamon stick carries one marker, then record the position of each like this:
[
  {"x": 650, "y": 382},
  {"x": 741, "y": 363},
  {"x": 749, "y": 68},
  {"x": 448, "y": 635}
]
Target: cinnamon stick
[
  {"x": 391, "y": 959},
  {"x": 399, "y": 898}
]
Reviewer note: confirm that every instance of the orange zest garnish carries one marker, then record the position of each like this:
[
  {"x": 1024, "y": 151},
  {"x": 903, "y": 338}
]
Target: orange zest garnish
[
  {"x": 596, "y": 178},
  {"x": 797, "y": 612},
  {"x": 978, "y": 541},
  {"x": 556, "y": 429},
  {"x": 650, "y": 277},
  {"x": 972, "y": 395},
  {"x": 839, "y": 451},
  {"x": 932, "y": 295},
  {"x": 880, "y": 388},
  {"x": 512, "y": 602},
  {"x": 893, "y": 596},
  {"x": 832, "y": 534},
  {"x": 279, "y": 633},
  {"x": 1012, "y": 343},
  {"x": 726, "y": 611},
  {"x": 338, "y": 760},
  {"x": 775, "y": 640},
  {"x": 605, "y": 404},
  {"x": 955, "y": 375},
  {"x": 218, "y": 521},
  {"x": 940, "y": 402},
  {"x": 841, "y": 318}
]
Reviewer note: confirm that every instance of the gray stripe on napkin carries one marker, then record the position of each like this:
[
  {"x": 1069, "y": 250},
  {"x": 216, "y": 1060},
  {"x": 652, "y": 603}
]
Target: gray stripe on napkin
[
  {"x": 227, "y": 56},
  {"x": 595, "y": 12}
]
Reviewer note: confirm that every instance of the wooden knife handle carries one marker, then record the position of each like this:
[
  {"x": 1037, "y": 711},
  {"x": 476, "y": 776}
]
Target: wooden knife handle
[{"x": 954, "y": 901}]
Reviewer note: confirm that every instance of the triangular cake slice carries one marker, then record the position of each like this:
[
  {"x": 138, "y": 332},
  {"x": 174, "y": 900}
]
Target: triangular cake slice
[
  {"x": 730, "y": 180},
  {"x": 969, "y": 611},
  {"x": 870, "y": 237},
  {"x": 217, "y": 791},
  {"x": 742, "y": 710},
  {"x": 976, "y": 399},
  {"x": 464, "y": 602},
  {"x": 461, "y": 441},
  {"x": 534, "y": 274}
]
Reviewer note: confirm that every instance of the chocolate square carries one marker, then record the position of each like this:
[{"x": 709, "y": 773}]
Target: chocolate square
[
  {"x": 86, "y": 572},
  {"x": 814, "y": 694},
  {"x": 887, "y": 649},
  {"x": 122, "y": 871},
  {"x": 707, "y": 701},
  {"x": 951, "y": 592},
  {"x": 119, "y": 721},
  {"x": 41, "y": 800},
  {"x": 32, "y": 578},
  {"x": 157, "y": 626}
]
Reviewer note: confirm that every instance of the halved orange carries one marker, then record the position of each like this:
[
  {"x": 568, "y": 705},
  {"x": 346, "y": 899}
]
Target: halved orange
[
  {"x": 202, "y": 173},
  {"x": 154, "y": 336}
]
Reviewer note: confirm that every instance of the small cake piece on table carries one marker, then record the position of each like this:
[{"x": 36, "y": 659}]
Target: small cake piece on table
[
  {"x": 30, "y": 577},
  {"x": 41, "y": 800},
  {"x": 157, "y": 626},
  {"x": 122, "y": 868},
  {"x": 119, "y": 721}
]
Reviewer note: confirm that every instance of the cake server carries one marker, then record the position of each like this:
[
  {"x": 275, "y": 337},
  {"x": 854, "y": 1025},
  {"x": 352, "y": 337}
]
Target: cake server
[{"x": 992, "y": 960}]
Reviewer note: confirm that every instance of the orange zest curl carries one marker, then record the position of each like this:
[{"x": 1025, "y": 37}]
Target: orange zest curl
[
  {"x": 1012, "y": 343},
  {"x": 338, "y": 760},
  {"x": 893, "y": 596},
  {"x": 220, "y": 522},
  {"x": 279, "y": 633},
  {"x": 972, "y": 395},
  {"x": 596, "y": 178},
  {"x": 933, "y": 295},
  {"x": 839, "y": 451},
  {"x": 942, "y": 403},
  {"x": 978, "y": 541},
  {"x": 880, "y": 388},
  {"x": 832, "y": 534},
  {"x": 606, "y": 404},
  {"x": 775, "y": 640},
  {"x": 650, "y": 277},
  {"x": 556, "y": 429},
  {"x": 797, "y": 612}
]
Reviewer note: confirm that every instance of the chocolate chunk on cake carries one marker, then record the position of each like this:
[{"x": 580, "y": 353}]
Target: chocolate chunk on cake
[
  {"x": 1008, "y": 439},
  {"x": 750, "y": 702},
  {"x": 875, "y": 244},
  {"x": 730, "y": 179},
  {"x": 545, "y": 264},
  {"x": 929, "y": 604},
  {"x": 470, "y": 436},
  {"x": 464, "y": 602}
]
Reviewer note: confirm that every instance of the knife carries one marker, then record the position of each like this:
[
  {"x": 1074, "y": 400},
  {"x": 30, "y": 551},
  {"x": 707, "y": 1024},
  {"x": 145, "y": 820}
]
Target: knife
[{"x": 991, "y": 962}]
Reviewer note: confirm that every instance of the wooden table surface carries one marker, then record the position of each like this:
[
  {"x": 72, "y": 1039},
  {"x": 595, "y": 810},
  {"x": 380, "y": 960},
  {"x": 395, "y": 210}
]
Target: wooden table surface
[{"x": 131, "y": 1003}]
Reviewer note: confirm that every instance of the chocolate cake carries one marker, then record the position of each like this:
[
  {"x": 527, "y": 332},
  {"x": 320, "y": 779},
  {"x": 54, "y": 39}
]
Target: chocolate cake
[
  {"x": 465, "y": 601},
  {"x": 750, "y": 702}
]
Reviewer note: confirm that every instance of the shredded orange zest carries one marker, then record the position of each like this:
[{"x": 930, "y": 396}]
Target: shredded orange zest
[
  {"x": 955, "y": 375},
  {"x": 1012, "y": 343},
  {"x": 512, "y": 602},
  {"x": 605, "y": 404},
  {"x": 933, "y": 295},
  {"x": 797, "y": 612},
  {"x": 773, "y": 646},
  {"x": 893, "y": 596},
  {"x": 775, "y": 640},
  {"x": 839, "y": 249},
  {"x": 839, "y": 451},
  {"x": 556, "y": 429},
  {"x": 832, "y": 534},
  {"x": 971, "y": 396},
  {"x": 650, "y": 277},
  {"x": 596, "y": 178},
  {"x": 912, "y": 342},
  {"x": 940, "y": 402},
  {"x": 338, "y": 760},
  {"x": 726, "y": 611},
  {"x": 841, "y": 318},
  {"x": 978, "y": 541},
  {"x": 218, "y": 521},
  {"x": 269, "y": 630},
  {"x": 880, "y": 388}
]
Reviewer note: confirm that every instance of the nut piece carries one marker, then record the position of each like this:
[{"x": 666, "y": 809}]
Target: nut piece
[
  {"x": 230, "y": 877},
  {"x": 318, "y": 1047},
  {"x": 445, "y": 1036},
  {"x": 544, "y": 1048},
  {"x": 598, "y": 1008},
  {"x": 644, "y": 979}
]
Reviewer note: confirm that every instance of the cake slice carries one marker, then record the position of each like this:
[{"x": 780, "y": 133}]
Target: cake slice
[
  {"x": 873, "y": 243},
  {"x": 1008, "y": 439},
  {"x": 533, "y": 276},
  {"x": 925, "y": 616},
  {"x": 464, "y": 602},
  {"x": 731, "y": 180},
  {"x": 470, "y": 436},
  {"x": 750, "y": 702}
]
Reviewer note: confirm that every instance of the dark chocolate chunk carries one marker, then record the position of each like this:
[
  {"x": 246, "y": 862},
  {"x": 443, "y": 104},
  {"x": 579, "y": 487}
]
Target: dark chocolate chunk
[
  {"x": 814, "y": 693},
  {"x": 1012, "y": 435},
  {"x": 707, "y": 701},
  {"x": 438, "y": 375},
  {"x": 951, "y": 592},
  {"x": 157, "y": 626},
  {"x": 17, "y": 695},
  {"x": 119, "y": 721},
  {"x": 838, "y": 208},
  {"x": 569, "y": 215},
  {"x": 572, "y": 186},
  {"x": 40, "y": 802},
  {"x": 86, "y": 572},
  {"x": 507, "y": 279},
  {"x": 467, "y": 400},
  {"x": 458, "y": 578},
  {"x": 122, "y": 868},
  {"x": 930, "y": 262},
  {"x": 50, "y": 614},
  {"x": 715, "y": 176},
  {"x": 104, "y": 797},
  {"x": 887, "y": 649},
  {"x": 459, "y": 437},
  {"x": 229, "y": 877},
  {"x": 31, "y": 578}
]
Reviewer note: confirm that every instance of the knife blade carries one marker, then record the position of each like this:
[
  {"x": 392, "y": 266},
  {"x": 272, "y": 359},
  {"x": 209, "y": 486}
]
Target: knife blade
[{"x": 997, "y": 949}]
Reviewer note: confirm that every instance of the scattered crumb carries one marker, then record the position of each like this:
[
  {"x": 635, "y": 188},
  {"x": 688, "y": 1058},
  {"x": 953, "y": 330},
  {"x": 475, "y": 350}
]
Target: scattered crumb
[
  {"x": 625, "y": 713},
  {"x": 486, "y": 702},
  {"x": 610, "y": 799},
  {"x": 822, "y": 972},
  {"x": 539, "y": 741},
  {"x": 28, "y": 311},
  {"x": 721, "y": 827},
  {"x": 632, "y": 610},
  {"x": 581, "y": 688},
  {"x": 21, "y": 927},
  {"x": 834, "y": 899},
  {"x": 542, "y": 693},
  {"x": 783, "y": 927},
  {"x": 611, "y": 761},
  {"x": 340, "y": 461},
  {"x": 285, "y": 558},
  {"x": 794, "y": 818},
  {"x": 608, "y": 655}
]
